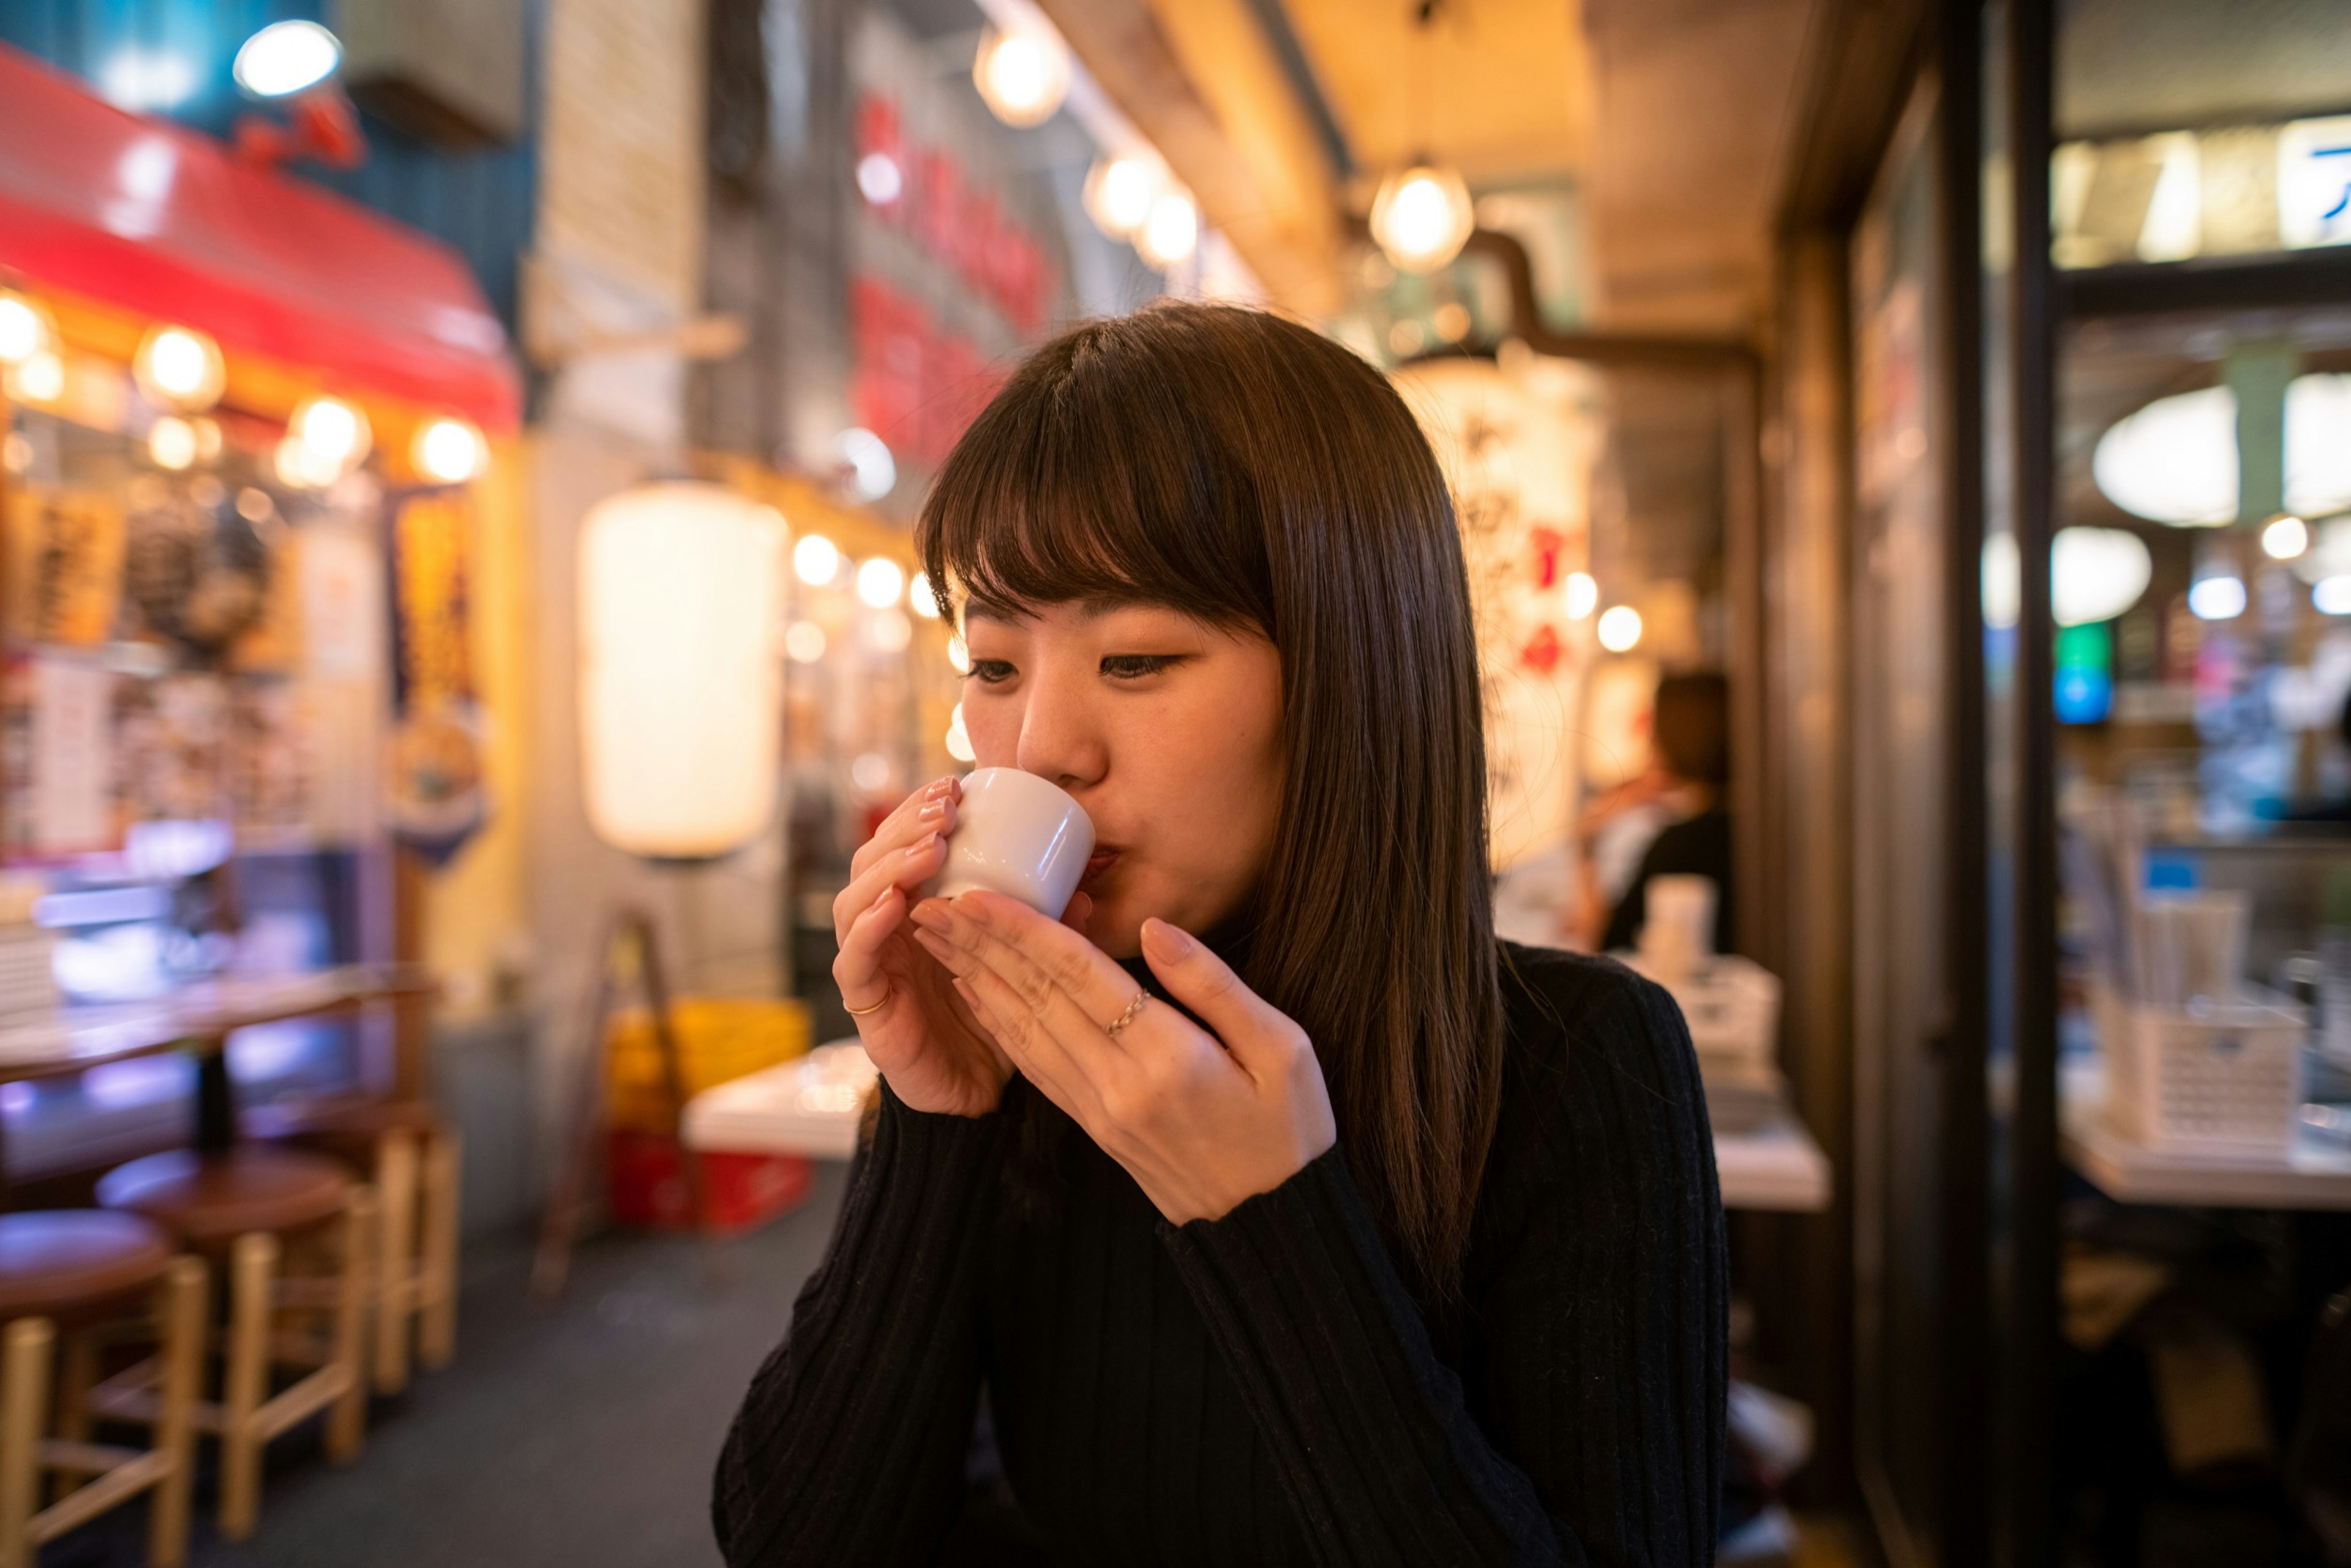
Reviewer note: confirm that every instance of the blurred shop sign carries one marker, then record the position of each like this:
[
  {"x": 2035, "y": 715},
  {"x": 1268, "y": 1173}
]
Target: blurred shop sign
[
  {"x": 926, "y": 192},
  {"x": 438, "y": 798},
  {"x": 2315, "y": 182}
]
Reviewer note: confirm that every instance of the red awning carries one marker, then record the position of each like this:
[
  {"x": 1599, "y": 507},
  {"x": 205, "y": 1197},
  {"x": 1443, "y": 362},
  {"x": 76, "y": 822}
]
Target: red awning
[{"x": 164, "y": 221}]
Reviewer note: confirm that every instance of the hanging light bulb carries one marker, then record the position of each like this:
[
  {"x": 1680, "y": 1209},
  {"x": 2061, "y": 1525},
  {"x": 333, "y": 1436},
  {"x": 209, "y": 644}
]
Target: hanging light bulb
[
  {"x": 448, "y": 450},
  {"x": 41, "y": 379},
  {"x": 2284, "y": 537},
  {"x": 1620, "y": 629},
  {"x": 336, "y": 431},
  {"x": 180, "y": 369},
  {"x": 301, "y": 468},
  {"x": 1583, "y": 595},
  {"x": 24, "y": 329},
  {"x": 2095, "y": 574},
  {"x": 172, "y": 442},
  {"x": 1422, "y": 217},
  {"x": 286, "y": 57},
  {"x": 1171, "y": 233},
  {"x": 1022, "y": 74},
  {"x": 817, "y": 559},
  {"x": 1119, "y": 191},
  {"x": 920, "y": 597},
  {"x": 880, "y": 580}
]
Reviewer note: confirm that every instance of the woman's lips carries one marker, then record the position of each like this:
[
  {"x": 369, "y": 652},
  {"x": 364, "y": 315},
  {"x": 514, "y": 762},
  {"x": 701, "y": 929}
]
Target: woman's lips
[{"x": 1098, "y": 862}]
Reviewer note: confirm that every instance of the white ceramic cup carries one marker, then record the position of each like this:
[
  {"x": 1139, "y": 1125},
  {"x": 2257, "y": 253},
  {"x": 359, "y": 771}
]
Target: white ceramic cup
[{"x": 1018, "y": 835}]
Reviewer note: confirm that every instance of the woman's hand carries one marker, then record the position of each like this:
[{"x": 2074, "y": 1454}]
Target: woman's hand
[
  {"x": 910, "y": 1023},
  {"x": 1200, "y": 1120}
]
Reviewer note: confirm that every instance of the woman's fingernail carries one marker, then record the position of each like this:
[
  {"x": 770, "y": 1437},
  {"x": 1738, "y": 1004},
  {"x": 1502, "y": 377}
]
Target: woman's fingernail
[
  {"x": 1166, "y": 943},
  {"x": 935, "y": 809}
]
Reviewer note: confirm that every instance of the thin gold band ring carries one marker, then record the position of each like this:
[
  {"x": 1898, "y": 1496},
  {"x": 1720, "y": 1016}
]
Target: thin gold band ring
[{"x": 1133, "y": 1009}]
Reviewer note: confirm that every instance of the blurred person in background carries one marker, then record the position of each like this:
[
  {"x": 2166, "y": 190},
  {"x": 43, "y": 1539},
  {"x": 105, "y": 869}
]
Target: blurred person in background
[
  {"x": 1684, "y": 785},
  {"x": 1278, "y": 1211}
]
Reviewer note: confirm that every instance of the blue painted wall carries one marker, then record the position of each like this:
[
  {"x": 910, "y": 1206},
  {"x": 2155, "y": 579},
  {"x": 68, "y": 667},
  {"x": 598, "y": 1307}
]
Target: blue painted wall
[{"x": 180, "y": 51}]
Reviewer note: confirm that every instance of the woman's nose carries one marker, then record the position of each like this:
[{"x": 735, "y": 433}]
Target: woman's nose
[{"x": 1059, "y": 739}]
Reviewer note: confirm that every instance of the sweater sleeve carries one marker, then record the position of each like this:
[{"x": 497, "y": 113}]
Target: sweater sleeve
[
  {"x": 1600, "y": 1320},
  {"x": 850, "y": 1445}
]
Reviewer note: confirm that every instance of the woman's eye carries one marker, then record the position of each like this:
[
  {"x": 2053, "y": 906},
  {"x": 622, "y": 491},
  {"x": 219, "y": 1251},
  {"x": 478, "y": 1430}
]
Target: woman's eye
[
  {"x": 1130, "y": 666},
  {"x": 992, "y": 671}
]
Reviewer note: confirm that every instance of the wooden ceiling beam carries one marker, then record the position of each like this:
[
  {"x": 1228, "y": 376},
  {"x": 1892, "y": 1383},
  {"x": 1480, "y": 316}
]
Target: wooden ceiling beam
[{"x": 1201, "y": 81}]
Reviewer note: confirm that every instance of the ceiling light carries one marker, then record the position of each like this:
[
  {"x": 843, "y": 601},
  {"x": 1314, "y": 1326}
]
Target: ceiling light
[
  {"x": 873, "y": 471},
  {"x": 958, "y": 741},
  {"x": 921, "y": 599},
  {"x": 448, "y": 450},
  {"x": 1422, "y": 217},
  {"x": 880, "y": 580},
  {"x": 1583, "y": 595},
  {"x": 300, "y": 468},
  {"x": 286, "y": 57},
  {"x": 2175, "y": 461},
  {"x": 180, "y": 369},
  {"x": 804, "y": 641},
  {"x": 878, "y": 179},
  {"x": 1171, "y": 233},
  {"x": 172, "y": 442},
  {"x": 1022, "y": 74},
  {"x": 817, "y": 559},
  {"x": 41, "y": 379},
  {"x": 2217, "y": 598},
  {"x": 1620, "y": 629},
  {"x": 24, "y": 329},
  {"x": 335, "y": 430},
  {"x": 1119, "y": 191},
  {"x": 2095, "y": 574},
  {"x": 2286, "y": 537}
]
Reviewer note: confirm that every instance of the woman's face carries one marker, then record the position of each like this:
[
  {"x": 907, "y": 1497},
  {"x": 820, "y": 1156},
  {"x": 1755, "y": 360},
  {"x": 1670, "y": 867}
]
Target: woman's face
[{"x": 1166, "y": 729}]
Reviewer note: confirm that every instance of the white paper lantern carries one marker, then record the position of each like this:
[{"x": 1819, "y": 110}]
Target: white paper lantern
[{"x": 681, "y": 585}]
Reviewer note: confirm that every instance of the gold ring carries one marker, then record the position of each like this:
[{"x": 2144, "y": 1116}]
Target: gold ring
[
  {"x": 1128, "y": 1017},
  {"x": 861, "y": 1012}
]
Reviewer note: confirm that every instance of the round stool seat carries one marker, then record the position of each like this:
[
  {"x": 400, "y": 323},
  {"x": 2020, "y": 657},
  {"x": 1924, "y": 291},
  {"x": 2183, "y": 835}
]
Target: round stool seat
[
  {"x": 210, "y": 1199},
  {"x": 53, "y": 1263}
]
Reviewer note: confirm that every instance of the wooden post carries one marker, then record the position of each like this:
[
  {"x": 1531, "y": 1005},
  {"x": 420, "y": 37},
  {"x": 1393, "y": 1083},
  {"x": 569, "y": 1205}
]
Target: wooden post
[
  {"x": 24, "y": 1405},
  {"x": 245, "y": 1383},
  {"x": 181, "y": 1308},
  {"x": 348, "y": 1417},
  {"x": 395, "y": 1266}
]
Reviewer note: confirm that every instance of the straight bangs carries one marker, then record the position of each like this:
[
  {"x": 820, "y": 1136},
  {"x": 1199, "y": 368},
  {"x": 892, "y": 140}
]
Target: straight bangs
[{"x": 1078, "y": 484}]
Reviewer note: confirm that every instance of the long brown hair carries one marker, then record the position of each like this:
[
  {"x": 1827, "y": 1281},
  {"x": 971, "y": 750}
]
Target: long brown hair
[{"x": 1245, "y": 470}]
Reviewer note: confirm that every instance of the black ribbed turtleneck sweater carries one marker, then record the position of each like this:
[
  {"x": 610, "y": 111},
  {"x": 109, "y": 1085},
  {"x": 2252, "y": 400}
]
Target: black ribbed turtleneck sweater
[{"x": 1262, "y": 1388}]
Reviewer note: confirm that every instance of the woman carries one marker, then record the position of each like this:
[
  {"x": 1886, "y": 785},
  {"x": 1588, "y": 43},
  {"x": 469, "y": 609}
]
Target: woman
[
  {"x": 1689, "y": 769},
  {"x": 1285, "y": 1215}
]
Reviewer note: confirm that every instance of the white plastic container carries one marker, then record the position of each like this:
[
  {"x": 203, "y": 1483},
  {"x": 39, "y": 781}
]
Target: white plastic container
[{"x": 2214, "y": 1078}]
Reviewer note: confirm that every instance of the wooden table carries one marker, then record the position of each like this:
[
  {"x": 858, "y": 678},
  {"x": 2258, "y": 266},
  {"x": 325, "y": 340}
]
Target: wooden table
[
  {"x": 810, "y": 1107},
  {"x": 197, "y": 1019},
  {"x": 1775, "y": 1167}
]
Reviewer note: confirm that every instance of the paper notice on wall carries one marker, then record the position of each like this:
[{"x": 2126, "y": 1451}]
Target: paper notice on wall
[{"x": 73, "y": 711}]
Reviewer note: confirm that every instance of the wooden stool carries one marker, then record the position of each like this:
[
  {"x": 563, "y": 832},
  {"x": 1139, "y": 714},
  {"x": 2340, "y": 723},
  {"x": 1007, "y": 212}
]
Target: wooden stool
[
  {"x": 241, "y": 1204},
  {"x": 410, "y": 1154},
  {"x": 81, "y": 1273}
]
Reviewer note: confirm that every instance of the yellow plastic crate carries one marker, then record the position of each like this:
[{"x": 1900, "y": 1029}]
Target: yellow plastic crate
[{"x": 720, "y": 1039}]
